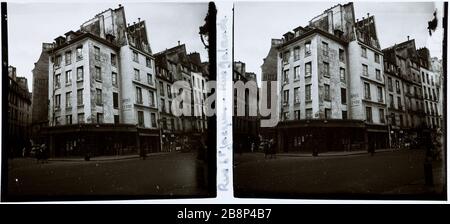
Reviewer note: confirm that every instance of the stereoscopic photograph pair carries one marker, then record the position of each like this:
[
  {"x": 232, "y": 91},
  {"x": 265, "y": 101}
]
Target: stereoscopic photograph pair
[{"x": 118, "y": 101}]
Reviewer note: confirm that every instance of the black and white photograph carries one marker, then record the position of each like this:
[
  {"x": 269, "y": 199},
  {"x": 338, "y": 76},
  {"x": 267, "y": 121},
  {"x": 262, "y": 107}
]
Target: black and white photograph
[
  {"x": 108, "y": 101},
  {"x": 339, "y": 100}
]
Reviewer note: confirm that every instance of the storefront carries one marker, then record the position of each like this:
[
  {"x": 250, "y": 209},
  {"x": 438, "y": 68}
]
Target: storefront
[{"x": 100, "y": 140}]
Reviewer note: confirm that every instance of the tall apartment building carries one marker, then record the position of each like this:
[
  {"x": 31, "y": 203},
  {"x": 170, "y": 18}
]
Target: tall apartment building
[
  {"x": 245, "y": 126},
  {"x": 40, "y": 94},
  {"x": 19, "y": 113},
  {"x": 181, "y": 66},
  {"x": 331, "y": 85},
  {"x": 102, "y": 89},
  {"x": 430, "y": 89},
  {"x": 419, "y": 90}
]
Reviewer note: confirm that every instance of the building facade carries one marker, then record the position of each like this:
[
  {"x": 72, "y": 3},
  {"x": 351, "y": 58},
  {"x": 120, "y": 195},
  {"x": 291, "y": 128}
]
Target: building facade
[
  {"x": 100, "y": 89},
  {"x": 19, "y": 113},
  {"x": 40, "y": 93},
  {"x": 330, "y": 76}
]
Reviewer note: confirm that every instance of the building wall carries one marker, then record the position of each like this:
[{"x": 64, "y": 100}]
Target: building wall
[
  {"x": 431, "y": 97},
  {"x": 129, "y": 84},
  {"x": 358, "y": 80},
  {"x": 40, "y": 88}
]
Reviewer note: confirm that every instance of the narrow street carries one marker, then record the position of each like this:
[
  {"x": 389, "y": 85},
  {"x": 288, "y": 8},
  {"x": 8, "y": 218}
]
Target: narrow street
[
  {"x": 166, "y": 175},
  {"x": 386, "y": 174}
]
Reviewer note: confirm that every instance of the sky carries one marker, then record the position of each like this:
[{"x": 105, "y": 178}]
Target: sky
[
  {"x": 257, "y": 23},
  {"x": 31, "y": 24}
]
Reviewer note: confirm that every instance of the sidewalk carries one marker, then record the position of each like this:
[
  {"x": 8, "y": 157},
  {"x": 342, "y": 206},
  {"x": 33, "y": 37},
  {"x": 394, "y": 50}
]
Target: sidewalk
[
  {"x": 326, "y": 154},
  {"x": 106, "y": 158}
]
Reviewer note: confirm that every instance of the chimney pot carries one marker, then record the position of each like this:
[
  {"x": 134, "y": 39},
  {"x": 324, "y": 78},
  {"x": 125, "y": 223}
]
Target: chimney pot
[{"x": 408, "y": 37}]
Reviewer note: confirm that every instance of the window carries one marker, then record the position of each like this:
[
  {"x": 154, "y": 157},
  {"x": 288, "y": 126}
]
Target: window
[
  {"x": 377, "y": 59},
  {"x": 399, "y": 103},
  {"x": 68, "y": 57},
  {"x": 285, "y": 96},
  {"x": 308, "y": 69},
  {"x": 68, "y": 100},
  {"x": 69, "y": 77},
  {"x": 307, "y": 48},
  {"x": 369, "y": 114},
  {"x": 80, "y": 118},
  {"x": 113, "y": 60},
  {"x": 286, "y": 56},
  {"x": 135, "y": 56},
  {"x": 296, "y": 53},
  {"x": 141, "y": 118},
  {"x": 68, "y": 119},
  {"x": 80, "y": 97},
  {"x": 100, "y": 118},
  {"x": 114, "y": 78},
  {"x": 365, "y": 70},
  {"x": 57, "y": 80},
  {"x": 149, "y": 79},
  {"x": 363, "y": 52},
  {"x": 344, "y": 115},
  {"x": 148, "y": 62},
  {"x": 98, "y": 73},
  {"x": 342, "y": 74},
  {"x": 391, "y": 100},
  {"x": 97, "y": 53},
  {"x": 308, "y": 92},
  {"x": 297, "y": 114},
  {"x": 138, "y": 95},
  {"x": 163, "y": 105},
  {"x": 325, "y": 48},
  {"x": 296, "y": 95},
  {"x": 116, "y": 100},
  {"x": 80, "y": 73},
  {"x": 79, "y": 53},
  {"x": 286, "y": 76},
  {"x": 341, "y": 55},
  {"x": 397, "y": 86},
  {"x": 390, "y": 88},
  {"x": 428, "y": 79},
  {"x": 161, "y": 88},
  {"x": 326, "y": 69},
  {"x": 57, "y": 101},
  {"x": 380, "y": 94},
  {"x": 137, "y": 75},
  {"x": 377, "y": 74},
  {"x": 169, "y": 94},
  {"x": 308, "y": 113},
  {"x": 98, "y": 97},
  {"x": 153, "y": 118},
  {"x": 343, "y": 96},
  {"x": 381, "y": 112},
  {"x": 151, "y": 98},
  {"x": 297, "y": 73},
  {"x": 58, "y": 61},
  {"x": 367, "y": 91},
  {"x": 327, "y": 113},
  {"x": 401, "y": 120},
  {"x": 327, "y": 92}
]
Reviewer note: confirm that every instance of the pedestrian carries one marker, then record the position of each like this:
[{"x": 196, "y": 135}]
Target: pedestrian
[
  {"x": 266, "y": 148},
  {"x": 273, "y": 150}
]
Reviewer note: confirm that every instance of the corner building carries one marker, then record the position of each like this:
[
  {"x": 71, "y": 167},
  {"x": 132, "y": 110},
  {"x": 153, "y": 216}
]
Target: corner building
[{"x": 331, "y": 85}]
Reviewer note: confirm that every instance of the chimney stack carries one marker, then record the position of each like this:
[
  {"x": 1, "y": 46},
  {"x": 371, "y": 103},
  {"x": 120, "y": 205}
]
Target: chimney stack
[
  {"x": 408, "y": 37},
  {"x": 178, "y": 43}
]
